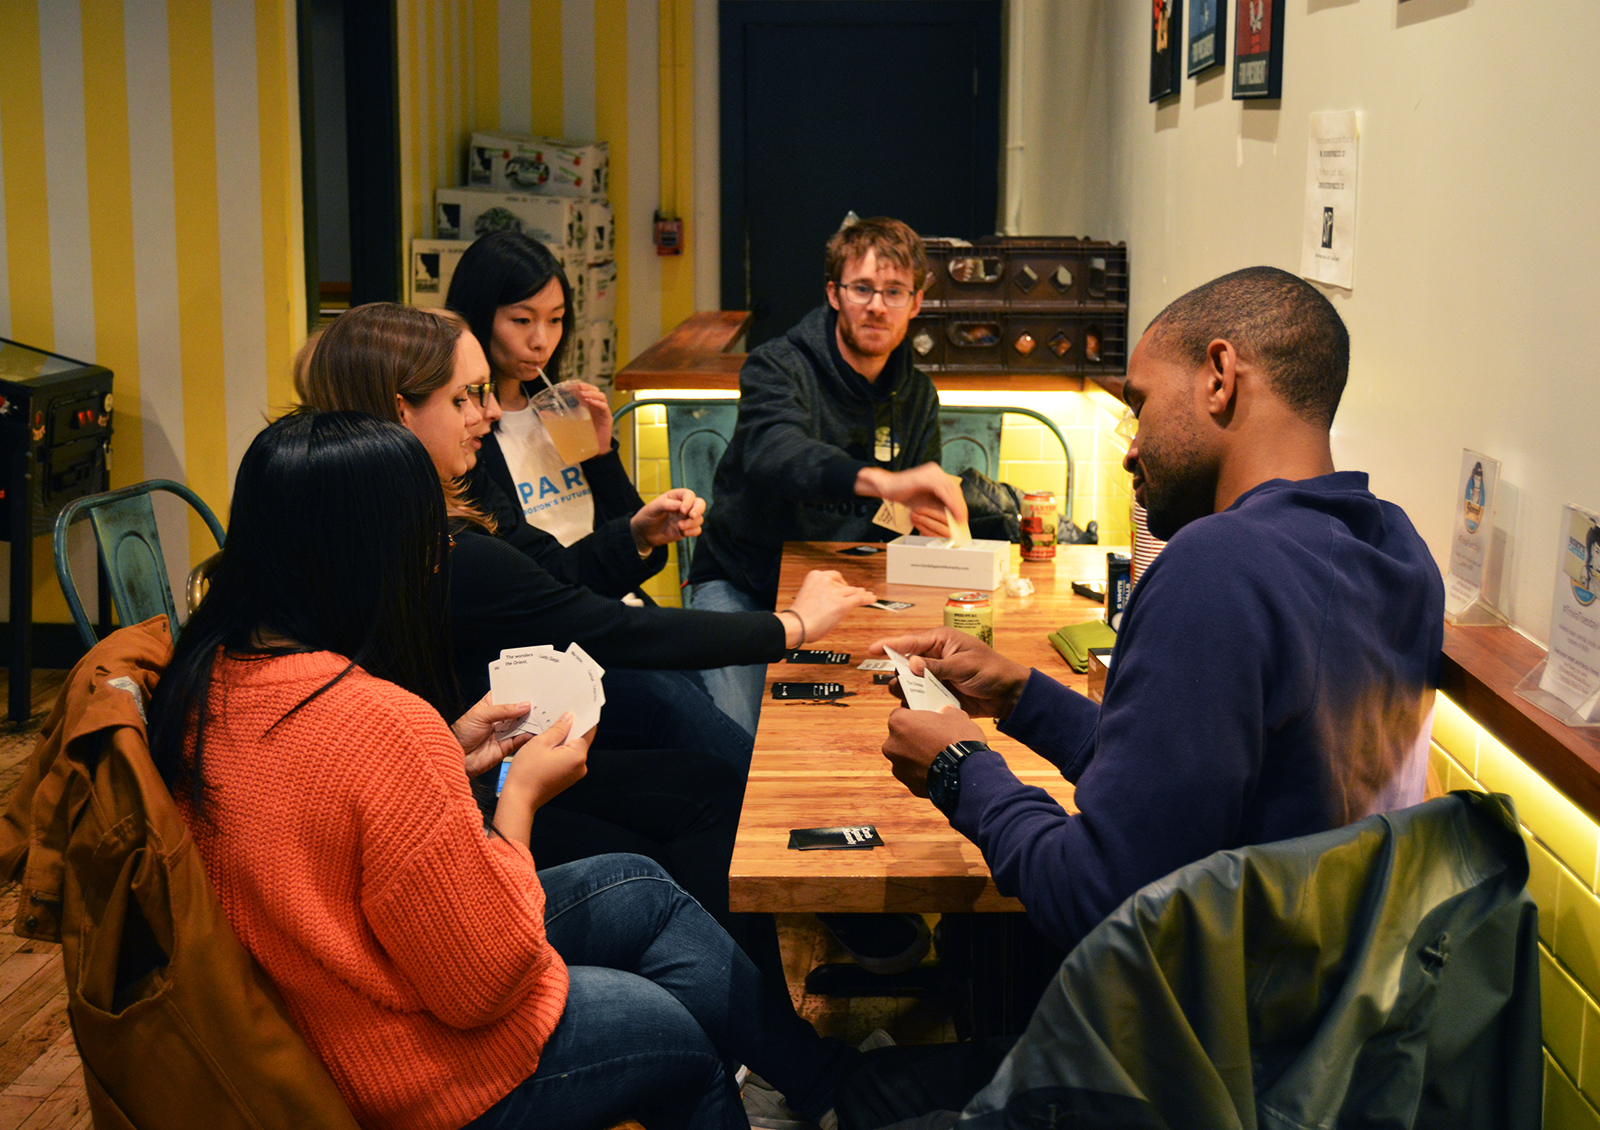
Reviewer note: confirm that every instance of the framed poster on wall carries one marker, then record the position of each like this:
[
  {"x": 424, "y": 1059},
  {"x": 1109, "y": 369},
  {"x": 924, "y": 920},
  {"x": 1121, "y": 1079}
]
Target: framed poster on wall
[
  {"x": 1166, "y": 48},
  {"x": 1207, "y": 39},
  {"x": 1258, "y": 49}
]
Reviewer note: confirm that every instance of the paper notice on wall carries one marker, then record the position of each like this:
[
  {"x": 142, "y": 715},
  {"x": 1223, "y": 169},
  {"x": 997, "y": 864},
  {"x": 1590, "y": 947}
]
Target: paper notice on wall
[
  {"x": 1469, "y": 548},
  {"x": 1572, "y": 669},
  {"x": 1328, "y": 252}
]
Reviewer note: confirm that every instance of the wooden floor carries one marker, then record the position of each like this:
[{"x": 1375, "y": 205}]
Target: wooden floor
[{"x": 41, "y": 1082}]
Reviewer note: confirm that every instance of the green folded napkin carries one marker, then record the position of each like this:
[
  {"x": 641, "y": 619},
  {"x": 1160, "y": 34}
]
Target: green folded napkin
[{"x": 1074, "y": 641}]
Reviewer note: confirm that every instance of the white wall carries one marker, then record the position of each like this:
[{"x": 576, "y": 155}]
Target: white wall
[{"x": 1477, "y": 279}]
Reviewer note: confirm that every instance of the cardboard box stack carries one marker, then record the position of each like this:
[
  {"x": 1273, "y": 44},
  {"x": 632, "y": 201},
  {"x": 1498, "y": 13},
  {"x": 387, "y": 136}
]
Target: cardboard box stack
[{"x": 554, "y": 191}]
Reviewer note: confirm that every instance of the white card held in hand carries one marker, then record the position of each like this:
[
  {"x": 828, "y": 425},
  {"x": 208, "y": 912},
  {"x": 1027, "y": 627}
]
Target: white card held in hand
[
  {"x": 935, "y": 695},
  {"x": 893, "y": 516},
  {"x": 552, "y": 682},
  {"x": 960, "y": 532},
  {"x": 924, "y": 691},
  {"x": 910, "y": 685}
]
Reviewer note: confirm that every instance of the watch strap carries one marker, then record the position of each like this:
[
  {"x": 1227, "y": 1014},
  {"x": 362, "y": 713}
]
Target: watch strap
[{"x": 944, "y": 774}]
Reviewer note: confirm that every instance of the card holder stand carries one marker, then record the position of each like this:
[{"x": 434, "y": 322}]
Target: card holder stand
[
  {"x": 1530, "y": 691},
  {"x": 1480, "y": 613}
]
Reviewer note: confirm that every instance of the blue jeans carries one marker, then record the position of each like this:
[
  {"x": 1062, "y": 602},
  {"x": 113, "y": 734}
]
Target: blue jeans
[
  {"x": 737, "y": 690},
  {"x": 662, "y": 1004}
]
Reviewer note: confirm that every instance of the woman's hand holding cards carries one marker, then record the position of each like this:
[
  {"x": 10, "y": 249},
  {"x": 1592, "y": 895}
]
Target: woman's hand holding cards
[
  {"x": 550, "y": 763},
  {"x": 478, "y": 732}
]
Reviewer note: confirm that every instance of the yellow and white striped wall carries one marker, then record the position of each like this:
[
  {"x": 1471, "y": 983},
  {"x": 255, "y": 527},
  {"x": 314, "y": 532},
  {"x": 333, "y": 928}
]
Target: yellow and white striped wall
[
  {"x": 150, "y": 202},
  {"x": 150, "y": 213},
  {"x": 149, "y": 222},
  {"x": 637, "y": 74}
]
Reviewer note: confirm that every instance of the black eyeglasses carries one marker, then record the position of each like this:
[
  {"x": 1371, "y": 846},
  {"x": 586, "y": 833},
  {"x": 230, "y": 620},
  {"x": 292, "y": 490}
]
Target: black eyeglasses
[
  {"x": 482, "y": 392},
  {"x": 860, "y": 294}
]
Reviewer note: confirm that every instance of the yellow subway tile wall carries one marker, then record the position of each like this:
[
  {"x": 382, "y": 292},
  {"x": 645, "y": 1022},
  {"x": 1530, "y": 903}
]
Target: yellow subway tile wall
[
  {"x": 1563, "y": 855},
  {"x": 1030, "y": 459}
]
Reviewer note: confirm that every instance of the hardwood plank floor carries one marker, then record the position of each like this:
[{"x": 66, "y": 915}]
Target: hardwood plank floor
[{"x": 41, "y": 1080}]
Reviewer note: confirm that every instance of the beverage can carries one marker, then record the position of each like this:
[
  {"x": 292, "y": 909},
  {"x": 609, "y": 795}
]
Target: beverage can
[
  {"x": 1119, "y": 585},
  {"x": 1039, "y": 525},
  {"x": 970, "y": 612}
]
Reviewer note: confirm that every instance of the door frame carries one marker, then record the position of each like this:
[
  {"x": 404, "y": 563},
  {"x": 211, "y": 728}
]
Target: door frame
[{"x": 735, "y": 16}]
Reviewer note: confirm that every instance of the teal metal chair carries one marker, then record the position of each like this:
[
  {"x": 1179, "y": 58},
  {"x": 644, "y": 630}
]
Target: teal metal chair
[
  {"x": 130, "y": 552},
  {"x": 972, "y": 439},
  {"x": 698, "y": 432}
]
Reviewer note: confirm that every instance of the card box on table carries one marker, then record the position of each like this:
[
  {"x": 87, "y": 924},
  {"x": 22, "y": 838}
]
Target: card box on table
[{"x": 918, "y": 560}]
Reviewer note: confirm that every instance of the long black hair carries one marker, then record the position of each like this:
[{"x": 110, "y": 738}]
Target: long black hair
[
  {"x": 501, "y": 269},
  {"x": 337, "y": 541}
]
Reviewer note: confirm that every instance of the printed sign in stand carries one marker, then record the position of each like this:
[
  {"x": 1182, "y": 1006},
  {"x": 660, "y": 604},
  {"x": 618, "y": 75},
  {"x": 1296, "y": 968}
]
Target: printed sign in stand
[
  {"x": 1464, "y": 599},
  {"x": 1567, "y": 683}
]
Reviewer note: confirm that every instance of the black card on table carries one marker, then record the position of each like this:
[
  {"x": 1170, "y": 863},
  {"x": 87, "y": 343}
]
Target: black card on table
[{"x": 861, "y": 837}]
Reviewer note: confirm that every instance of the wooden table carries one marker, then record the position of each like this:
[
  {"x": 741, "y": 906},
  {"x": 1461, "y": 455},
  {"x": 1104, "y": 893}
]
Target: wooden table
[{"x": 819, "y": 765}]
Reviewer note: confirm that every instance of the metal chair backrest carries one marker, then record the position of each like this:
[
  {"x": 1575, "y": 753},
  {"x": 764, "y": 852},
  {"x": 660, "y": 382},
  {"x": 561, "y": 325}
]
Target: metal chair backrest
[
  {"x": 130, "y": 552},
  {"x": 698, "y": 432},
  {"x": 971, "y": 437}
]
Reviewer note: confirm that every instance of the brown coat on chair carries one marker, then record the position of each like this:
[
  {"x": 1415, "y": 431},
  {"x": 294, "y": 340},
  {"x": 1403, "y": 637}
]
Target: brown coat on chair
[{"x": 175, "y": 1023}]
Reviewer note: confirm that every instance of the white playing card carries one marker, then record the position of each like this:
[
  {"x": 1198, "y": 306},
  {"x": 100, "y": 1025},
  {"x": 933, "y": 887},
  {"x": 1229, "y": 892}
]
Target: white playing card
[
  {"x": 935, "y": 695},
  {"x": 910, "y": 685},
  {"x": 960, "y": 532},
  {"x": 875, "y": 665},
  {"x": 893, "y": 516},
  {"x": 923, "y": 692},
  {"x": 552, "y": 682},
  {"x": 524, "y": 652}
]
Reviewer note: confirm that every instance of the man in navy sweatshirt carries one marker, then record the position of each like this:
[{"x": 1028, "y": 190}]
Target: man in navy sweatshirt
[
  {"x": 1274, "y": 673},
  {"x": 833, "y": 419}
]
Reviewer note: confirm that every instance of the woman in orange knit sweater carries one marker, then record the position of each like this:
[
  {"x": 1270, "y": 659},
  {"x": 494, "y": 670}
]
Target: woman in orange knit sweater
[{"x": 442, "y": 980}]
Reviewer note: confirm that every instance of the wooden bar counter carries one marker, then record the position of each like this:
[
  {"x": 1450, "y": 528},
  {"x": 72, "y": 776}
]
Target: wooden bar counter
[{"x": 819, "y": 764}]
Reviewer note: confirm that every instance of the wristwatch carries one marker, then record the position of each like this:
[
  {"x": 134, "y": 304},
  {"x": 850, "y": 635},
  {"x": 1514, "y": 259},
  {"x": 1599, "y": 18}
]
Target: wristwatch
[{"x": 944, "y": 775}]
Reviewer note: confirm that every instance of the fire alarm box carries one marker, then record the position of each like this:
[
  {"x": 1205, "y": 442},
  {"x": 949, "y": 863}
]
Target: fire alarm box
[{"x": 669, "y": 235}]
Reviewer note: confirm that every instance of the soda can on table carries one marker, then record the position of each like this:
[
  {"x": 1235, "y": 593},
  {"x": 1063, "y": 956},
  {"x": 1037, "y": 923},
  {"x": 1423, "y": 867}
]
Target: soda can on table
[
  {"x": 971, "y": 612},
  {"x": 1039, "y": 525},
  {"x": 1119, "y": 585}
]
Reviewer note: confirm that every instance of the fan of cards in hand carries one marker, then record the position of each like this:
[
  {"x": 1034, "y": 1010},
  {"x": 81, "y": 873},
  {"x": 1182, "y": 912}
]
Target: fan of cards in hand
[{"x": 551, "y": 682}]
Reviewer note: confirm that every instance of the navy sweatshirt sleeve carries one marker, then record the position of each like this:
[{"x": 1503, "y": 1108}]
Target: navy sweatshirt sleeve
[
  {"x": 1271, "y": 680},
  {"x": 1161, "y": 766}
]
